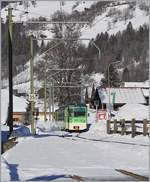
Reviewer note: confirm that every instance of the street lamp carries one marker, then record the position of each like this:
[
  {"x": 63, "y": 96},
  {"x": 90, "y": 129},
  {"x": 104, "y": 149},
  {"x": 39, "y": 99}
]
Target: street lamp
[{"x": 108, "y": 71}]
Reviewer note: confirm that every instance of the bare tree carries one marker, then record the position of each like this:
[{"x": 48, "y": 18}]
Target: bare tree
[{"x": 67, "y": 54}]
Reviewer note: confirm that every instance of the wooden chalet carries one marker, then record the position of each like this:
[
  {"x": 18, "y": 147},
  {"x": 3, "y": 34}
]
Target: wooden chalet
[{"x": 117, "y": 97}]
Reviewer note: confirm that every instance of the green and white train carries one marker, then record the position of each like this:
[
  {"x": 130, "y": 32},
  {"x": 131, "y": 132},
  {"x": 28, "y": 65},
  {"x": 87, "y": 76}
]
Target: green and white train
[{"x": 72, "y": 117}]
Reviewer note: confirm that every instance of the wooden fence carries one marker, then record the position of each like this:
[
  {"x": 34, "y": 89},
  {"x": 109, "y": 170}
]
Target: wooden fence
[{"x": 132, "y": 127}]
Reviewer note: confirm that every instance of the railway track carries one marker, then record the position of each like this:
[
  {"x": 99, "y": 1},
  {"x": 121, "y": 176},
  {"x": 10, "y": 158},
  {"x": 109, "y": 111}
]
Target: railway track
[
  {"x": 134, "y": 175},
  {"x": 128, "y": 176},
  {"x": 77, "y": 137}
]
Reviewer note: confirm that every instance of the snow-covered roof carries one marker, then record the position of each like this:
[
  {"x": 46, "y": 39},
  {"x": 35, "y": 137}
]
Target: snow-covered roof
[
  {"x": 19, "y": 104},
  {"x": 137, "y": 84},
  {"x": 122, "y": 95},
  {"x": 130, "y": 111}
]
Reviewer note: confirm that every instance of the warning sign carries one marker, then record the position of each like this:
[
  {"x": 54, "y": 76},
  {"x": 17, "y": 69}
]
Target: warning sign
[{"x": 102, "y": 115}]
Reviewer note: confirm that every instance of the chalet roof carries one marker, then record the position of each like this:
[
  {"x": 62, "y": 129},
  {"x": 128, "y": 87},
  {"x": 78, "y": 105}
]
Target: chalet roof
[
  {"x": 137, "y": 84},
  {"x": 19, "y": 103},
  {"x": 122, "y": 95}
]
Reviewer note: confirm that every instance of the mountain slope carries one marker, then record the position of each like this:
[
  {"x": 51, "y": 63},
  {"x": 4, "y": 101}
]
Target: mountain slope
[{"x": 114, "y": 17}]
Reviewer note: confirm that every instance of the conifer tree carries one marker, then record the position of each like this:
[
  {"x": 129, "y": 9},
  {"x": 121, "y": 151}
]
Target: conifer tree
[
  {"x": 93, "y": 93},
  {"x": 125, "y": 75},
  {"x": 111, "y": 77}
]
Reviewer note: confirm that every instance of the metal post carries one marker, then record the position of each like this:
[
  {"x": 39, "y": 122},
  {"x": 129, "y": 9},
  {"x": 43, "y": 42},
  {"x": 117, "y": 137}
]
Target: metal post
[
  {"x": 45, "y": 94},
  {"x": 10, "y": 107},
  {"x": 113, "y": 100},
  {"x": 99, "y": 51},
  {"x": 108, "y": 70},
  {"x": 96, "y": 113},
  {"x": 82, "y": 100},
  {"x": 109, "y": 111},
  {"x": 81, "y": 93},
  {"x": 32, "y": 88},
  {"x": 52, "y": 100}
]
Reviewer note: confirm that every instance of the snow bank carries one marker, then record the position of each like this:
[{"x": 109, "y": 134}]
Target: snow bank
[
  {"x": 130, "y": 111},
  {"x": 98, "y": 128},
  {"x": 21, "y": 131},
  {"x": 91, "y": 116},
  {"x": 47, "y": 126},
  {"x": 18, "y": 131}
]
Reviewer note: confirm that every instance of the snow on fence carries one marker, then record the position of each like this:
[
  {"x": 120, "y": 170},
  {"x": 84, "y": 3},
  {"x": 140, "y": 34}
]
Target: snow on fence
[{"x": 133, "y": 127}]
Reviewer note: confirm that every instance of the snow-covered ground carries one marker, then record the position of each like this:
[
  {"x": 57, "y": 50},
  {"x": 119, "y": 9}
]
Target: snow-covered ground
[{"x": 57, "y": 155}]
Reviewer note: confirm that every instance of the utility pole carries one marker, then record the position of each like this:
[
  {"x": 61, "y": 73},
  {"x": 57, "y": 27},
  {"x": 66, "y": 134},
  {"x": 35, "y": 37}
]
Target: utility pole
[
  {"x": 32, "y": 95},
  {"x": 109, "y": 86},
  {"x": 10, "y": 107},
  {"x": 82, "y": 99},
  {"x": 45, "y": 92},
  {"x": 52, "y": 100}
]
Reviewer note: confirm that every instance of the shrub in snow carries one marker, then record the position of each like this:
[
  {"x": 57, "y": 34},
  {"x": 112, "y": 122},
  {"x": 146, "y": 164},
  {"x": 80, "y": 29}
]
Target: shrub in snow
[{"x": 98, "y": 128}]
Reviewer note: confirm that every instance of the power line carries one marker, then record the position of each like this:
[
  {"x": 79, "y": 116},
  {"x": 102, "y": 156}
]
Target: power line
[
  {"x": 58, "y": 22},
  {"x": 51, "y": 22},
  {"x": 67, "y": 86},
  {"x": 63, "y": 69},
  {"x": 28, "y": 12}
]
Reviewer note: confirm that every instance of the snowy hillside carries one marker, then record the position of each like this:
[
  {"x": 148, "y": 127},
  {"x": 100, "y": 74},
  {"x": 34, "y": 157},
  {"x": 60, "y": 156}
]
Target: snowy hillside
[
  {"x": 44, "y": 9},
  {"x": 22, "y": 80},
  {"x": 115, "y": 22},
  {"x": 114, "y": 19}
]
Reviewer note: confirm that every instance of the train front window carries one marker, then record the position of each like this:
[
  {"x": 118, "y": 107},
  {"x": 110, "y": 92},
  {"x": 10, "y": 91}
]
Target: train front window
[{"x": 79, "y": 113}]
